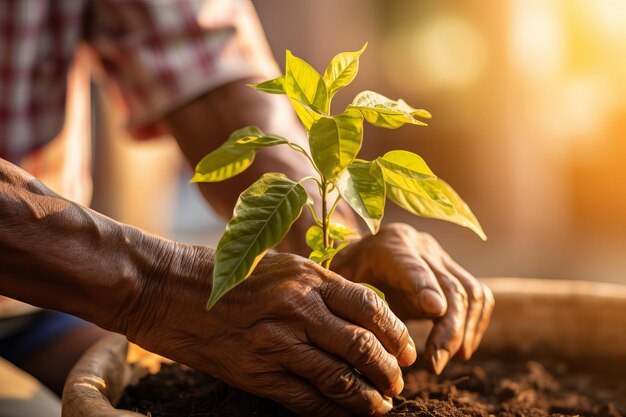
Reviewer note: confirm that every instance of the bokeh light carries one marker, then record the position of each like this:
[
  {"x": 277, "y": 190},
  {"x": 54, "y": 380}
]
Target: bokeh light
[{"x": 447, "y": 52}]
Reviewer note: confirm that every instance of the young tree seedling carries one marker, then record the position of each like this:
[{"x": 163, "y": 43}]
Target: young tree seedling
[{"x": 266, "y": 210}]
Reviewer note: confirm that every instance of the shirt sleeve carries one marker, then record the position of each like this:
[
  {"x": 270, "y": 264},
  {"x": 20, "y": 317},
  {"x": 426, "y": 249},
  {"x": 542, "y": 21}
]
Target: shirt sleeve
[{"x": 162, "y": 54}]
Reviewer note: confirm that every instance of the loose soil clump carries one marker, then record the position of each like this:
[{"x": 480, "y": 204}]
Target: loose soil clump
[{"x": 481, "y": 387}]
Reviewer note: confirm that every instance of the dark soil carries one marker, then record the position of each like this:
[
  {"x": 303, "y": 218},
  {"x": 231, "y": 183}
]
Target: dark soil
[{"x": 487, "y": 387}]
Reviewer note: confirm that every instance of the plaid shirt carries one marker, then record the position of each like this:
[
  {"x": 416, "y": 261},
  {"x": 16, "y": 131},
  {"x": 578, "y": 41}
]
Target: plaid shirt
[{"x": 160, "y": 53}]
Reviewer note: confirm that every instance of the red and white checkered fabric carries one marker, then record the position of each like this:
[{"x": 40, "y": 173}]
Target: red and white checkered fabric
[{"x": 160, "y": 53}]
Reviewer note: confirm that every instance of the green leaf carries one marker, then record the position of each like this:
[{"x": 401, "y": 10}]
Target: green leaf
[
  {"x": 326, "y": 254},
  {"x": 342, "y": 70},
  {"x": 409, "y": 163},
  {"x": 303, "y": 83},
  {"x": 338, "y": 231},
  {"x": 306, "y": 115},
  {"x": 262, "y": 217},
  {"x": 454, "y": 209},
  {"x": 253, "y": 138},
  {"x": 315, "y": 238},
  {"x": 405, "y": 169},
  {"x": 305, "y": 111},
  {"x": 256, "y": 142},
  {"x": 235, "y": 155},
  {"x": 321, "y": 255},
  {"x": 385, "y": 112},
  {"x": 223, "y": 163},
  {"x": 306, "y": 90},
  {"x": 335, "y": 142},
  {"x": 275, "y": 86},
  {"x": 363, "y": 188}
]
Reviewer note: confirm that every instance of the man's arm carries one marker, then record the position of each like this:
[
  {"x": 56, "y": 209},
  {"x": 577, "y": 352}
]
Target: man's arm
[{"x": 59, "y": 255}]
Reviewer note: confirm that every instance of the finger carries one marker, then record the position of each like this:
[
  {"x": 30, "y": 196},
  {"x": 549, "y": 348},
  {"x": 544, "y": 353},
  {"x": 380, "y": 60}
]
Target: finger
[
  {"x": 360, "y": 348},
  {"x": 424, "y": 293},
  {"x": 299, "y": 396},
  {"x": 360, "y": 305},
  {"x": 446, "y": 337},
  {"x": 405, "y": 270},
  {"x": 335, "y": 379},
  {"x": 488, "y": 306},
  {"x": 475, "y": 300}
]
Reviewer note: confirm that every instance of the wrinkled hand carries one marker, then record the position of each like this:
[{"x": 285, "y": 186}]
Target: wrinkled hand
[
  {"x": 293, "y": 332},
  {"x": 421, "y": 281}
]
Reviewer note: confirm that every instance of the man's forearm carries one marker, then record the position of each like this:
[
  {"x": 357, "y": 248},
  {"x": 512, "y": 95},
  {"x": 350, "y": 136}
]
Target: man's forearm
[
  {"x": 204, "y": 124},
  {"x": 59, "y": 255}
]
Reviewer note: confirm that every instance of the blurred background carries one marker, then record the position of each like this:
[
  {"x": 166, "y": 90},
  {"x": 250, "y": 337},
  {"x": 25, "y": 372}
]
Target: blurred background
[{"x": 529, "y": 126}]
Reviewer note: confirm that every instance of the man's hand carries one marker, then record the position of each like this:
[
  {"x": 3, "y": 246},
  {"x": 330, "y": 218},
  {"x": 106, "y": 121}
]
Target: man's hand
[
  {"x": 421, "y": 281},
  {"x": 293, "y": 332}
]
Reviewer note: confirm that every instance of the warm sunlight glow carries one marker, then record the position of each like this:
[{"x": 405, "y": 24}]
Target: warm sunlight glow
[
  {"x": 536, "y": 37},
  {"x": 583, "y": 106},
  {"x": 445, "y": 53},
  {"x": 609, "y": 17}
]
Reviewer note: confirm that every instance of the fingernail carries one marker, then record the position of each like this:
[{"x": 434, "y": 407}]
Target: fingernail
[
  {"x": 408, "y": 355},
  {"x": 439, "y": 360},
  {"x": 385, "y": 406},
  {"x": 432, "y": 303}
]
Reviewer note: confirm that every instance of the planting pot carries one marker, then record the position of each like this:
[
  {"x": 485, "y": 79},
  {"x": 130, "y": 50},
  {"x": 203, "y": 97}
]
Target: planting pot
[{"x": 574, "y": 320}]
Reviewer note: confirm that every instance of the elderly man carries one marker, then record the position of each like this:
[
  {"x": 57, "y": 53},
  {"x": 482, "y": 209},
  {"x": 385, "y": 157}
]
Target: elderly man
[{"x": 306, "y": 337}]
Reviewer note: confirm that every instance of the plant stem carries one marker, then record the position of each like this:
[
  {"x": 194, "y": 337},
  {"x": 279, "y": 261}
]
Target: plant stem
[
  {"x": 314, "y": 214},
  {"x": 332, "y": 209},
  {"x": 325, "y": 221},
  {"x": 301, "y": 150},
  {"x": 310, "y": 177}
]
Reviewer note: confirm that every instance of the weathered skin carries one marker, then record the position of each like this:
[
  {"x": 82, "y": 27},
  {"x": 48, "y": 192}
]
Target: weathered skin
[
  {"x": 306, "y": 337},
  {"x": 289, "y": 328},
  {"x": 421, "y": 281}
]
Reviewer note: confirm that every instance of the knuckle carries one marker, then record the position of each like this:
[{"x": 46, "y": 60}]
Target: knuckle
[
  {"x": 388, "y": 384},
  {"x": 303, "y": 268},
  {"x": 349, "y": 388},
  {"x": 459, "y": 292},
  {"x": 343, "y": 383},
  {"x": 331, "y": 283},
  {"x": 490, "y": 300},
  {"x": 417, "y": 266},
  {"x": 297, "y": 303},
  {"x": 374, "y": 306},
  {"x": 476, "y": 293},
  {"x": 401, "y": 227},
  {"x": 268, "y": 338},
  {"x": 427, "y": 237},
  {"x": 293, "y": 306},
  {"x": 371, "y": 407},
  {"x": 403, "y": 335},
  {"x": 402, "y": 231},
  {"x": 426, "y": 275},
  {"x": 363, "y": 347}
]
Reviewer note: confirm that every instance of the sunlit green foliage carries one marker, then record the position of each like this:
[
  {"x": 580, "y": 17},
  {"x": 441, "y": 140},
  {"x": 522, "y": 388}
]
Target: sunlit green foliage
[{"x": 267, "y": 209}]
